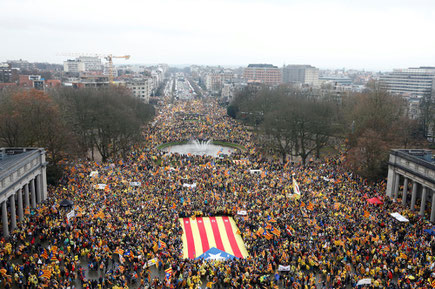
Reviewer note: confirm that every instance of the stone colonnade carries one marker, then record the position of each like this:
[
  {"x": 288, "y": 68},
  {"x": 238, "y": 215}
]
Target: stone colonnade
[
  {"x": 20, "y": 203},
  {"x": 413, "y": 193},
  {"x": 414, "y": 170},
  {"x": 23, "y": 184}
]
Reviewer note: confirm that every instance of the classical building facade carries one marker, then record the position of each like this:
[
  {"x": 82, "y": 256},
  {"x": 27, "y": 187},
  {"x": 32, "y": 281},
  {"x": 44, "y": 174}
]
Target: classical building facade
[
  {"x": 23, "y": 183},
  {"x": 414, "y": 170}
]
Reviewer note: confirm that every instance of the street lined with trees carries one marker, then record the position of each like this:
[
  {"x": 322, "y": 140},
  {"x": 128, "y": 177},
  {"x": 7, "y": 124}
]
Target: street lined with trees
[{"x": 291, "y": 122}]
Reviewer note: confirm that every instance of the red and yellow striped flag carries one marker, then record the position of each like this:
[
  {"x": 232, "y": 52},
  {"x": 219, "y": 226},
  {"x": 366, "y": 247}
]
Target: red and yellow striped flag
[
  {"x": 276, "y": 232},
  {"x": 310, "y": 206},
  {"x": 203, "y": 233},
  {"x": 46, "y": 273},
  {"x": 268, "y": 235}
]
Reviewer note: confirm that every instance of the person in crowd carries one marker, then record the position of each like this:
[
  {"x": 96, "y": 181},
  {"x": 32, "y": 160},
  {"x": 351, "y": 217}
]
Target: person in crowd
[{"x": 329, "y": 235}]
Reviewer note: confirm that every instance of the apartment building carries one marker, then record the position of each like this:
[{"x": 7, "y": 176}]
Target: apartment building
[
  {"x": 262, "y": 73},
  {"x": 83, "y": 64},
  {"x": 412, "y": 82},
  {"x": 300, "y": 74},
  {"x": 141, "y": 88}
]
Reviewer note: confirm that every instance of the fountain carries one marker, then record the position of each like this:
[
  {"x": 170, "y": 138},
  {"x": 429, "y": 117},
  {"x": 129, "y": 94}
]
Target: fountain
[{"x": 199, "y": 147}]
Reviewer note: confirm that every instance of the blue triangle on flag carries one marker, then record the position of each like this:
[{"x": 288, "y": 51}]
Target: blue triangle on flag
[{"x": 215, "y": 254}]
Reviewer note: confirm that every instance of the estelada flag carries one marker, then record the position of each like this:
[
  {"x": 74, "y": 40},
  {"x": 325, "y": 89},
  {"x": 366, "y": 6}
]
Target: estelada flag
[
  {"x": 271, "y": 219},
  {"x": 45, "y": 273},
  {"x": 275, "y": 231},
  {"x": 155, "y": 247},
  {"x": 168, "y": 275},
  {"x": 260, "y": 231},
  {"x": 296, "y": 187},
  {"x": 168, "y": 271},
  {"x": 204, "y": 233},
  {"x": 44, "y": 254},
  {"x": 53, "y": 257},
  {"x": 162, "y": 245},
  {"x": 267, "y": 235},
  {"x": 310, "y": 206}
]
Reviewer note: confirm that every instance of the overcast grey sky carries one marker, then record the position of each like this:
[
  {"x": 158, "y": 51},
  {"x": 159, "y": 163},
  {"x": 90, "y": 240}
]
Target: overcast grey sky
[{"x": 370, "y": 34}]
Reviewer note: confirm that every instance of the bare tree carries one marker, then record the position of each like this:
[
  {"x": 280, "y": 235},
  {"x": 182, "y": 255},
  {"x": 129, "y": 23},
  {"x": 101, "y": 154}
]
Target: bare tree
[
  {"x": 32, "y": 118},
  {"x": 290, "y": 121},
  {"x": 108, "y": 119},
  {"x": 427, "y": 118},
  {"x": 379, "y": 124}
]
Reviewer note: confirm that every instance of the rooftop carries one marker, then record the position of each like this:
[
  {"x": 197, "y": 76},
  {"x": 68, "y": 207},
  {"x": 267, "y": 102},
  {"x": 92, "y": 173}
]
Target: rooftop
[
  {"x": 263, "y": 65},
  {"x": 11, "y": 156},
  {"x": 423, "y": 67},
  {"x": 298, "y": 66},
  {"x": 421, "y": 156}
]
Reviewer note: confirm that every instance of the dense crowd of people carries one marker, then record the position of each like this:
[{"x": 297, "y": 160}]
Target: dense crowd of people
[{"x": 125, "y": 233}]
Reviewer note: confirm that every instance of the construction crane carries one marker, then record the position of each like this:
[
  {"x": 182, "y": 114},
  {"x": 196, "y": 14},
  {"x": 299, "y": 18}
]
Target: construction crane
[{"x": 108, "y": 57}]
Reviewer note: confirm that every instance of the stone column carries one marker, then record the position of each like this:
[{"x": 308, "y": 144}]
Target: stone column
[
  {"x": 390, "y": 181},
  {"x": 5, "y": 220},
  {"x": 32, "y": 191},
  {"x": 20, "y": 205},
  {"x": 44, "y": 184},
  {"x": 405, "y": 191},
  {"x": 396, "y": 186},
  {"x": 423, "y": 201},
  {"x": 43, "y": 177},
  {"x": 26, "y": 196},
  {"x": 432, "y": 213},
  {"x": 13, "y": 214},
  {"x": 38, "y": 189},
  {"x": 414, "y": 194}
]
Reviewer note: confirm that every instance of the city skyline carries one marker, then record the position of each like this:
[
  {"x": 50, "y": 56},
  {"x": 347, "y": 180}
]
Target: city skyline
[{"x": 370, "y": 35}]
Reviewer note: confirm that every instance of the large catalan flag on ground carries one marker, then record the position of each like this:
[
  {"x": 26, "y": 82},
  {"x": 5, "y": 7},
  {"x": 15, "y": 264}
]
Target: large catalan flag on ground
[{"x": 207, "y": 237}]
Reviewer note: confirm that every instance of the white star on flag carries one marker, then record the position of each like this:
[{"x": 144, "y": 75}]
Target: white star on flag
[{"x": 215, "y": 257}]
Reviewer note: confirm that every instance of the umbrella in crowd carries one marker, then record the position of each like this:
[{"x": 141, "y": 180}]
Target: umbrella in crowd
[{"x": 66, "y": 203}]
